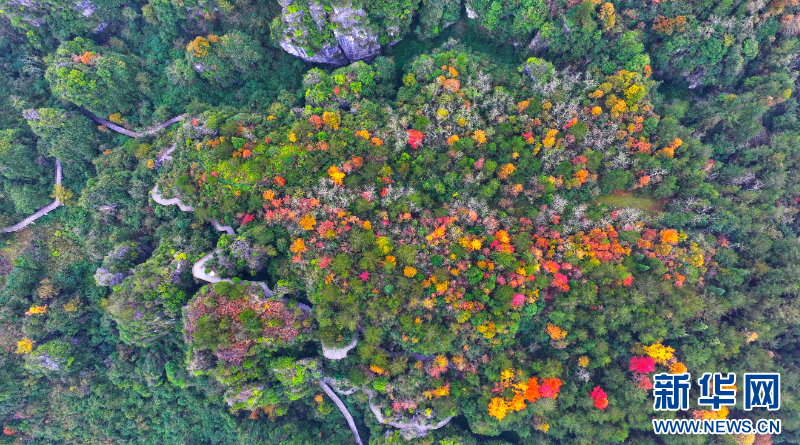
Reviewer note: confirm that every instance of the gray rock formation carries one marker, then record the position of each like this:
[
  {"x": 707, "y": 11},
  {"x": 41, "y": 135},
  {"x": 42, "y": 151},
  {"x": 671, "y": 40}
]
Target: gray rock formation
[
  {"x": 344, "y": 36},
  {"x": 46, "y": 362},
  {"x": 179, "y": 268},
  {"x": 243, "y": 250},
  {"x": 330, "y": 54},
  {"x": 105, "y": 278},
  {"x": 538, "y": 43},
  {"x": 85, "y": 7},
  {"x": 357, "y": 42}
]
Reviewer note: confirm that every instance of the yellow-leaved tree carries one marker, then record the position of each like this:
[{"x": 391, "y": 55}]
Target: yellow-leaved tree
[
  {"x": 63, "y": 195},
  {"x": 660, "y": 353},
  {"x": 498, "y": 408},
  {"x": 24, "y": 346}
]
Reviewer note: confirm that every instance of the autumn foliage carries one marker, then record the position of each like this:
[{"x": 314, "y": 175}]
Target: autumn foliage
[
  {"x": 519, "y": 391},
  {"x": 414, "y": 138},
  {"x": 642, "y": 364},
  {"x": 599, "y": 397}
]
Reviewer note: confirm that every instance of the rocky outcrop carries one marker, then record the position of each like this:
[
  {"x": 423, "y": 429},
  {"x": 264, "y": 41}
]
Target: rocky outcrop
[
  {"x": 85, "y": 7},
  {"x": 471, "y": 14},
  {"x": 340, "y": 38},
  {"x": 47, "y": 362},
  {"x": 695, "y": 78},
  {"x": 103, "y": 277},
  {"x": 538, "y": 43},
  {"x": 357, "y": 42},
  {"x": 330, "y": 54},
  {"x": 242, "y": 255},
  {"x": 244, "y": 397}
]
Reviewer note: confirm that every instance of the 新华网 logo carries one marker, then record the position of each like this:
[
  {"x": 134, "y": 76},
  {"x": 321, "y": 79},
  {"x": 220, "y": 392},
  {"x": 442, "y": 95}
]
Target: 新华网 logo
[{"x": 717, "y": 390}]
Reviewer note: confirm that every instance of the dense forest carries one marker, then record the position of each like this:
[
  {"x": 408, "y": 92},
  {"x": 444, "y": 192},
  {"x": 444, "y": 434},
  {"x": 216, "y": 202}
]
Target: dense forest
[{"x": 435, "y": 222}]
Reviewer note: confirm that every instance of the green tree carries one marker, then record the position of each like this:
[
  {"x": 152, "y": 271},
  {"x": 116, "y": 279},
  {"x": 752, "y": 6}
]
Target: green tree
[{"x": 100, "y": 79}]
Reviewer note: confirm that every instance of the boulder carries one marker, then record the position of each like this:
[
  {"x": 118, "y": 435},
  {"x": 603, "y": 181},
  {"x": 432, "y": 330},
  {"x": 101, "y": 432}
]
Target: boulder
[{"x": 105, "y": 278}]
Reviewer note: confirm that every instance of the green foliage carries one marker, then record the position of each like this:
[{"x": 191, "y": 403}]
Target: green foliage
[
  {"x": 543, "y": 188},
  {"x": 54, "y": 356},
  {"x": 146, "y": 303},
  {"x": 103, "y": 81},
  {"x": 349, "y": 83}
]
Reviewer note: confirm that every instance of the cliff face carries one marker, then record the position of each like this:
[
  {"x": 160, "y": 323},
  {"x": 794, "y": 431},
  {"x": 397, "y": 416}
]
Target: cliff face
[
  {"x": 336, "y": 36},
  {"x": 331, "y": 54},
  {"x": 357, "y": 42}
]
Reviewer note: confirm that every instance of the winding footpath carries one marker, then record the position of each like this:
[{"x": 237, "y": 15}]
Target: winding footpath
[
  {"x": 199, "y": 268},
  {"x": 56, "y": 203},
  {"x": 199, "y": 272},
  {"x": 418, "y": 429},
  {"x": 133, "y": 134},
  {"x": 167, "y": 154},
  {"x": 41, "y": 212},
  {"x": 159, "y": 198},
  {"x": 324, "y": 385}
]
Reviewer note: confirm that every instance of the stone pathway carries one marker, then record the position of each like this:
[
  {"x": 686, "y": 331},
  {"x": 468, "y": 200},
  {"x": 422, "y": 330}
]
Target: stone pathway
[
  {"x": 41, "y": 212},
  {"x": 134, "y": 134}
]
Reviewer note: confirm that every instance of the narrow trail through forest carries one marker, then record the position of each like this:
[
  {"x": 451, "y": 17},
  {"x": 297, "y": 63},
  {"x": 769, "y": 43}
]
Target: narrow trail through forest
[
  {"x": 56, "y": 203},
  {"x": 198, "y": 268},
  {"x": 159, "y": 198},
  {"x": 324, "y": 385},
  {"x": 133, "y": 134},
  {"x": 41, "y": 212},
  {"x": 199, "y": 272}
]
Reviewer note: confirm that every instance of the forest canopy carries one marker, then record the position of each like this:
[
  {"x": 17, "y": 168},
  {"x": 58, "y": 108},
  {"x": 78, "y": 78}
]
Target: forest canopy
[{"x": 413, "y": 222}]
